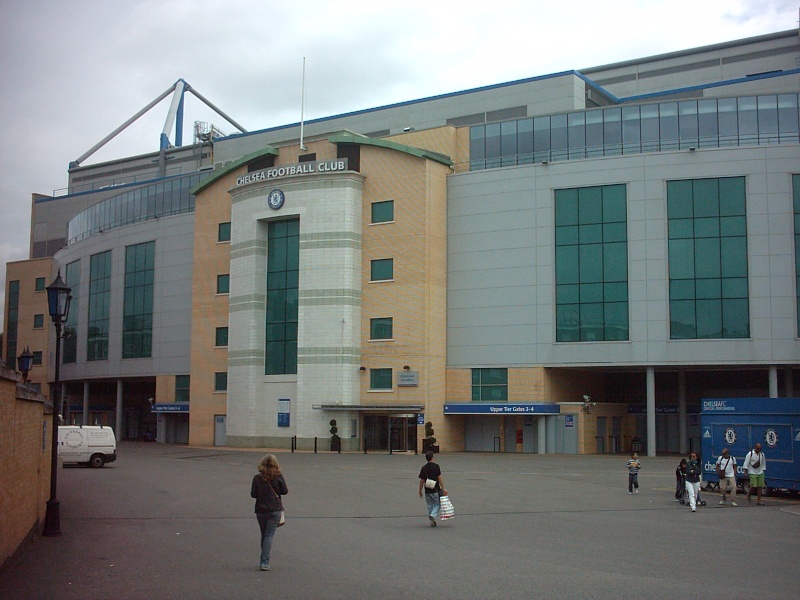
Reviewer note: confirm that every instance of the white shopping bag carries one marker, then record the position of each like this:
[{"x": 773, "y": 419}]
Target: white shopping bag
[{"x": 446, "y": 510}]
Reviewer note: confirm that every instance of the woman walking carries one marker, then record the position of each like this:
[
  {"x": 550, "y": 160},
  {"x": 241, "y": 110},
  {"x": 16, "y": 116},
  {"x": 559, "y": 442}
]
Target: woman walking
[
  {"x": 267, "y": 488},
  {"x": 693, "y": 471}
]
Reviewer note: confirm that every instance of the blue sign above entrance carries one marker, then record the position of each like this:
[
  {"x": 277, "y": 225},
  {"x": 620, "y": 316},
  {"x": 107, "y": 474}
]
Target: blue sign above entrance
[{"x": 485, "y": 408}]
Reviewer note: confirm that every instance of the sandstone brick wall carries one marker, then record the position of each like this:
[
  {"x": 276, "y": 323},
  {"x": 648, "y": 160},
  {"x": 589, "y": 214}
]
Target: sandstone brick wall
[{"x": 24, "y": 462}]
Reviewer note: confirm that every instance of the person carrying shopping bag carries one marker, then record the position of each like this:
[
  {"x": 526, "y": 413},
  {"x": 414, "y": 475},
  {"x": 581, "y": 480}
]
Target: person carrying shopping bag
[{"x": 430, "y": 480}]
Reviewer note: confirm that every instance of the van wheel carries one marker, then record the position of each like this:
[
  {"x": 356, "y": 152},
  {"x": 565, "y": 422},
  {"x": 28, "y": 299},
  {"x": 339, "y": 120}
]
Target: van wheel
[{"x": 97, "y": 461}]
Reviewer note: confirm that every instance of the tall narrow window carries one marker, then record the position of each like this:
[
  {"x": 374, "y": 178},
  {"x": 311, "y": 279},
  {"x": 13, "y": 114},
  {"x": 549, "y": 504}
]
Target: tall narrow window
[
  {"x": 39, "y": 285},
  {"x": 221, "y": 381},
  {"x": 99, "y": 306},
  {"x": 221, "y": 337},
  {"x": 224, "y": 284},
  {"x": 591, "y": 264},
  {"x": 224, "y": 232},
  {"x": 708, "y": 285},
  {"x": 73, "y": 280},
  {"x": 137, "y": 320},
  {"x": 182, "y": 388},
  {"x": 796, "y": 190},
  {"x": 38, "y": 321},
  {"x": 490, "y": 385},
  {"x": 12, "y": 308},
  {"x": 283, "y": 264}
]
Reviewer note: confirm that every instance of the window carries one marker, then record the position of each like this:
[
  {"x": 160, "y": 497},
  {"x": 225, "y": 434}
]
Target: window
[
  {"x": 221, "y": 382},
  {"x": 224, "y": 232},
  {"x": 310, "y": 157},
  {"x": 383, "y": 212},
  {"x": 380, "y": 329},
  {"x": 221, "y": 337},
  {"x": 382, "y": 269},
  {"x": 37, "y": 357},
  {"x": 708, "y": 279},
  {"x": 70, "y": 345},
  {"x": 38, "y": 321},
  {"x": 380, "y": 379},
  {"x": 796, "y": 190},
  {"x": 12, "y": 306},
  {"x": 223, "y": 284},
  {"x": 181, "y": 388},
  {"x": 99, "y": 306},
  {"x": 137, "y": 310},
  {"x": 40, "y": 284},
  {"x": 490, "y": 385},
  {"x": 591, "y": 264},
  {"x": 283, "y": 271}
]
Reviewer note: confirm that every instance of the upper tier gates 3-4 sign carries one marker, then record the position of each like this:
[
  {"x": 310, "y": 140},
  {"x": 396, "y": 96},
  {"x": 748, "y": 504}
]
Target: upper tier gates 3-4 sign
[{"x": 304, "y": 168}]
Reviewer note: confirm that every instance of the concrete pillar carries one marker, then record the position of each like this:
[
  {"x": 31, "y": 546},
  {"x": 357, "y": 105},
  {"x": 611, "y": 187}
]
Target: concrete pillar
[
  {"x": 86, "y": 403},
  {"x": 789, "y": 382},
  {"x": 773, "y": 382},
  {"x": 118, "y": 421},
  {"x": 541, "y": 435},
  {"x": 651, "y": 411},
  {"x": 683, "y": 429}
]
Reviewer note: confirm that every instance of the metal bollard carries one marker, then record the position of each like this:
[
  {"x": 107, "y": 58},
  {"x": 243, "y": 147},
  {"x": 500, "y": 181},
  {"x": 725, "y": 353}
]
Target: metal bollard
[{"x": 315, "y": 445}]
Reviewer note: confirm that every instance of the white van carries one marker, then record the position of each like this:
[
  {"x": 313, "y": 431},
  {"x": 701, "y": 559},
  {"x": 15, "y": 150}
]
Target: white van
[{"x": 92, "y": 445}]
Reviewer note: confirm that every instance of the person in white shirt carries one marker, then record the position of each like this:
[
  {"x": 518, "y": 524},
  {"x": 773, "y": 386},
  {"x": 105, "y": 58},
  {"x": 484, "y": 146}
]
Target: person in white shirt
[
  {"x": 755, "y": 463},
  {"x": 726, "y": 469}
]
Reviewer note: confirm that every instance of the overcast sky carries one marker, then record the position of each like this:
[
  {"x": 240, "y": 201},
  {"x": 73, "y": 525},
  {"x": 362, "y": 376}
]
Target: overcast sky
[{"x": 74, "y": 71}]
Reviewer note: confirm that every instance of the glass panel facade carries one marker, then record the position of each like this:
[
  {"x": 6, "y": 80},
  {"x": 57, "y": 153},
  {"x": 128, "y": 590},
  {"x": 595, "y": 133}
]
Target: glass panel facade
[
  {"x": 283, "y": 269},
  {"x": 591, "y": 264},
  {"x": 168, "y": 197},
  {"x": 99, "y": 306},
  {"x": 72, "y": 277},
  {"x": 382, "y": 269},
  {"x": 137, "y": 315},
  {"x": 490, "y": 385},
  {"x": 182, "y": 388},
  {"x": 221, "y": 337},
  {"x": 380, "y": 379},
  {"x": 380, "y": 329},
  {"x": 708, "y": 293},
  {"x": 383, "y": 212},
  {"x": 665, "y": 126}
]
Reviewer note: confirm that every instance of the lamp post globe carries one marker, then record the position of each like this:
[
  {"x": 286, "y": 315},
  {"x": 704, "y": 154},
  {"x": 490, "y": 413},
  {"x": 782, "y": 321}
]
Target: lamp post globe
[
  {"x": 58, "y": 300},
  {"x": 24, "y": 363}
]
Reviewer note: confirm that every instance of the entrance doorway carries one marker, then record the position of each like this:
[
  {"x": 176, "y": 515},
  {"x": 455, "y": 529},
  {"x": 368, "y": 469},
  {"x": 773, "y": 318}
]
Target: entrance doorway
[{"x": 390, "y": 433}]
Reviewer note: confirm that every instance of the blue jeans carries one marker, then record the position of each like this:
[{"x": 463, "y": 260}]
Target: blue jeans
[
  {"x": 433, "y": 504},
  {"x": 268, "y": 522},
  {"x": 633, "y": 481}
]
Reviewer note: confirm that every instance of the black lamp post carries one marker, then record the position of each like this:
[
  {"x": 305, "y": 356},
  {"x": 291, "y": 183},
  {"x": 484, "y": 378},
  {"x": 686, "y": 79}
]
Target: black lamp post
[
  {"x": 58, "y": 300},
  {"x": 24, "y": 363}
]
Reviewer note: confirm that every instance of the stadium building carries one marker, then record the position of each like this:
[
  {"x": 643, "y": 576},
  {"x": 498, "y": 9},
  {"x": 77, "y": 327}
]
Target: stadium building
[{"x": 566, "y": 263}]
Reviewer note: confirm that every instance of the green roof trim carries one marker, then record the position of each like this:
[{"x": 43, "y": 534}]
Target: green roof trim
[
  {"x": 215, "y": 175},
  {"x": 352, "y": 138}
]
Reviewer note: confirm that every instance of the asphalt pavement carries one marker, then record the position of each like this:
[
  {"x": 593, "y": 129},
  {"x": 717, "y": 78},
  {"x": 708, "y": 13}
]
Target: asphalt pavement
[{"x": 173, "y": 522}]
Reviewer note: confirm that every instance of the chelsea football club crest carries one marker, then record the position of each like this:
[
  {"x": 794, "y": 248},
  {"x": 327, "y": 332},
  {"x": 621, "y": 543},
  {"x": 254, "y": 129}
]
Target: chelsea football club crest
[
  {"x": 730, "y": 436},
  {"x": 771, "y": 438},
  {"x": 275, "y": 199}
]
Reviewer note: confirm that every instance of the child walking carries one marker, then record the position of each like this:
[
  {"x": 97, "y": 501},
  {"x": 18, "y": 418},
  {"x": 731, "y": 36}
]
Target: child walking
[{"x": 633, "y": 473}]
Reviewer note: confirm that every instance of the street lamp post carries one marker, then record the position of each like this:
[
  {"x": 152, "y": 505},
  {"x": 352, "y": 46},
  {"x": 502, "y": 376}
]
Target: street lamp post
[{"x": 58, "y": 299}]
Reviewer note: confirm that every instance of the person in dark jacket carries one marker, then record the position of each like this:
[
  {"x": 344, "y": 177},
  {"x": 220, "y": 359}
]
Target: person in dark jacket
[
  {"x": 431, "y": 475},
  {"x": 693, "y": 471},
  {"x": 680, "y": 480},
  {"x": 267, "y": 488}
]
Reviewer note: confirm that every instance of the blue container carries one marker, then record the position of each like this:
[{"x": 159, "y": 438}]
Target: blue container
[{"x": 738, "y": 423}]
